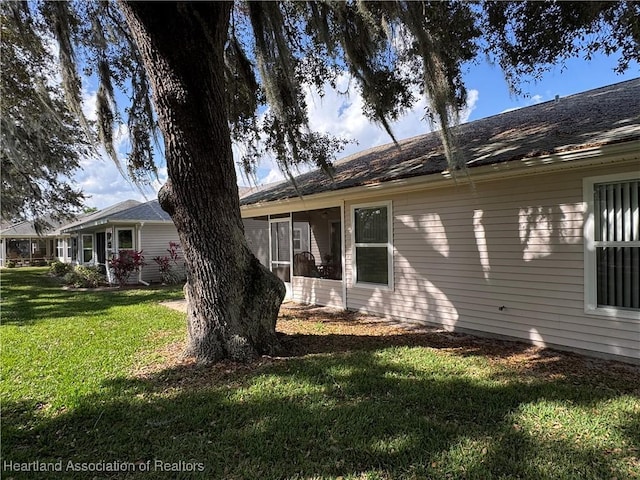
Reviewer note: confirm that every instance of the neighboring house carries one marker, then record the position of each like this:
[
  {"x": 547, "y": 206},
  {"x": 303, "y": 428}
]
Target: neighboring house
[
  {"x": 129, "y": 225},
  {"x": 538, "y": 240},
  {"x": 94, "y": 238},
  {"x": 22, "y": 245}
]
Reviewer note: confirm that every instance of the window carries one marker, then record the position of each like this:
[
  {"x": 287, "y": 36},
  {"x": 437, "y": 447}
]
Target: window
[
  {"x": 612, "y": 245},
  {"x": 297, "y": 239},
  {"x": 87, "y": 248},
  {"x": 301, "y": 236},
  {"x": 74, "y": 249},
  {"x": 125, "y": 239},
  {"x": 372, "y": 245},
  {"x": 59, "y": 248}
]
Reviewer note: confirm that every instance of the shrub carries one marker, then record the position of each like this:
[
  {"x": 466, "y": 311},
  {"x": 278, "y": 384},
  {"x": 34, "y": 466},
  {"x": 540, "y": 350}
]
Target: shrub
[
  {"x": 84, "y": 277},
  {"x": 73, "y": 279},
  {"x": 11, "y": 264},
  {"x": 166, "y": 264},
  {"x": 60, "y": 269},
  {"x": 126, "y": 263},
  {"x": 91, "y": 276}
]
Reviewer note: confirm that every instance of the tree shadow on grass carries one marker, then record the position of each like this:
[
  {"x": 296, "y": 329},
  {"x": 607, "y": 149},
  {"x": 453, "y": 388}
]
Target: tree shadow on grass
[
  {"x": 386, "y": 412},
  {"x": 511, "y": 360},
  {"x": 36, "y": 296}
]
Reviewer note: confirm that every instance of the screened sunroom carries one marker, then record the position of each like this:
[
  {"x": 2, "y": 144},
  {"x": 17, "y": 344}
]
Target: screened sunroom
[{"x": 304, "y": 249}]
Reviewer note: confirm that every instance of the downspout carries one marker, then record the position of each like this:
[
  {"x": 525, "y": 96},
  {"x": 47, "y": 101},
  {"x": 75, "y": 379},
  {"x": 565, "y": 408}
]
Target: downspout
[
  {"x": 343, "y": 232},
  {"x": 139, "y": 229}
]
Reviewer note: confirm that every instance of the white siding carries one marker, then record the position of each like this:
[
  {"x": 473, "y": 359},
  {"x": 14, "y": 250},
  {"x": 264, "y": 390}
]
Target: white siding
[
  {"x": 155, "y": 243},
  {"x": 318, "y": 291},
  {"x": 320, "y": 236},
  {"x": 502, "y": 257}
]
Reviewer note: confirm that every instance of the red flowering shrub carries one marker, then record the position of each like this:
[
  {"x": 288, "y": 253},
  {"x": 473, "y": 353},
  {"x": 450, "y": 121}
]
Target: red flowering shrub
[
  {"x": 126, "y": 263},
  {"x": 166, "y": 264}
]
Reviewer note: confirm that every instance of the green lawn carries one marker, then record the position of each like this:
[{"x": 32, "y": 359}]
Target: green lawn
[{"x": 69, "y": 394}]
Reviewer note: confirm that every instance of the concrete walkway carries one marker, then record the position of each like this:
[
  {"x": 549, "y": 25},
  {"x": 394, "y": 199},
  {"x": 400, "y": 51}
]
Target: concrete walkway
[{"x": 179, "y": 305}]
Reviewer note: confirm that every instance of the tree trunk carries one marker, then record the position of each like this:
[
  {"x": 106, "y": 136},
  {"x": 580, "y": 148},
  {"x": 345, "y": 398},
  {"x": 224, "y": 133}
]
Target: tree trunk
[{"x": 233, "y": 300}]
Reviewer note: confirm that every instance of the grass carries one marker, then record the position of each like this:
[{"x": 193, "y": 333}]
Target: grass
[{"x": 92, "y": 378}]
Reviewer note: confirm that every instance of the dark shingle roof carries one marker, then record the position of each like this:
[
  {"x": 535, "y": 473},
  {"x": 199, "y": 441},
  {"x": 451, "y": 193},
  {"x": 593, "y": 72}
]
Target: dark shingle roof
[
  {"x": 27, "y": 228},
  {"x": 50, "y": 226},
  {"x": 597, "y": 117},
  {"x": 127, "y": 211},
  {"x": 149, "y": 211},
  {"x": 100, "y": 215}
]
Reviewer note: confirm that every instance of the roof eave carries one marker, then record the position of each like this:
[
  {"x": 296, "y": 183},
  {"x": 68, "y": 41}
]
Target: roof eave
[
  {"x": 115, "y": 222},
  {"x": 84, "y": 226}
]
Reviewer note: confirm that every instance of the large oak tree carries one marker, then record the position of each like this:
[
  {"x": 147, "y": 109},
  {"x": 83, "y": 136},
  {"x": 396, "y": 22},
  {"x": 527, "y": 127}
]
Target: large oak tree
[{"x": 221, "y": 72}]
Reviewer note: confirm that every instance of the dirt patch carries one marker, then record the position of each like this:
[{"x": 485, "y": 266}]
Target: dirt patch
[
  {"x": 102, "y": 288},
  {"x": 179, "y": 305},
  {"x": 312, "y": 329}
]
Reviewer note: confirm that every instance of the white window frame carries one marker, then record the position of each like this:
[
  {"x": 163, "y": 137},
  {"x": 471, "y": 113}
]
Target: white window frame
[
  {"x": 590, "y": 244},
  {"x": 354, "y": 270},
  {"x": 93, "y": 244},
  {"x": 117, "y": 239},
  {"x": 60, "y": 249},
  {"x": 294, "y": 239}
]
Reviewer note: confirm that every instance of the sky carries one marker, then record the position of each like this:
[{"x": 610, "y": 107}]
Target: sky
[{"x": 488, "y": 94}]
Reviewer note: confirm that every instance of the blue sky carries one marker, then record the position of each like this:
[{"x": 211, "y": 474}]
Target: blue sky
[
  {"x": 577, "y": 75},
  {"x": 488, "y": 95}
]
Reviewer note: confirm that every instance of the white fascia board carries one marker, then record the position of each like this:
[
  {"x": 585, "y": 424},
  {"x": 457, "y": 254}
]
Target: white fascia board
[
  {"x": 140, "y": 222},
  {"x": 99, "y": 223},
  {"x": 619, "y": 153}
]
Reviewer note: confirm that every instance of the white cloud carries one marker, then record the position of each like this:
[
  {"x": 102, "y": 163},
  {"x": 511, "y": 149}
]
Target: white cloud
[
  {"x": 537, "y": 98},
  {"x": 472, "y": 99},
  {"x": 104, "y": 185},
  {"x": 52, "y": 73},
  {"x": 274, "y": 175},
  {"x": 99, "y": 177},
  {"x": 89, "y": 101},
  {"x": 339, "y": 112}
]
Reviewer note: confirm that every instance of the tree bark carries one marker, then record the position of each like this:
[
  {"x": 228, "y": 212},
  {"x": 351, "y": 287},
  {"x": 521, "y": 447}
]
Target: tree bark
[{"x": 233, "y": 300}]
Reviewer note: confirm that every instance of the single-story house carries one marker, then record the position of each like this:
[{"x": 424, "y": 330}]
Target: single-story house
[
  {"x": 538, "y": 239},
  {"x": 21, "y": 244},
  {"x": 128, "y": 225},
  {"x": 94, "y": 238}
]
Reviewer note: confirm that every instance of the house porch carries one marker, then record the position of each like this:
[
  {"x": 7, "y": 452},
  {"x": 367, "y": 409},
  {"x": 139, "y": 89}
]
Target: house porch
[{"x": 305, "y": 250}]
